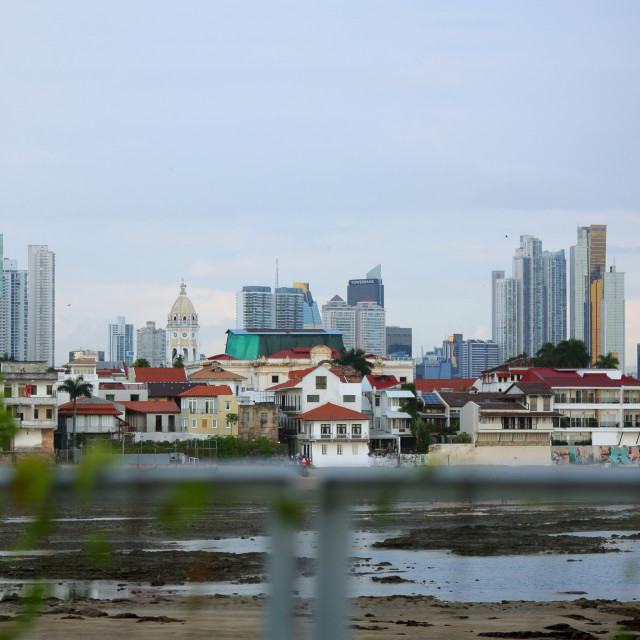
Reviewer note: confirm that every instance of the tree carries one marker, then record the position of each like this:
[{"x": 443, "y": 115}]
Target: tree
[
  {"x": 607, "y": 362},
  {"x": 355, "y": 358},
  {"x": 141, "y": 362},
  {"x": 545, "y": 355},
  {"x": 571, "y": 354},
  {"x": 178, "y": 362},
  {"x": 76, "y": 388}
]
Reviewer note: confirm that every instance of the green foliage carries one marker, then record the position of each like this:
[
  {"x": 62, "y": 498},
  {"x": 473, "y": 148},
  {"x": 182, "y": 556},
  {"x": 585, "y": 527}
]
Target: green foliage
[
  {"x": 232, "y": 417},
  {"x": 607, "y": 362},
  {"x": 355, "y": 359},
  {"x": 141, "y": 363},
  {"x": 463, "y": 438},
  {"x": 290, "y": 511},
  {"x": 419, "y": 429},
  {"x": 99, "y": 550},
  {"x": 570, "y": 354},
  {"x": 7, "y": 358},
  {"x": 178, "y": 362}
]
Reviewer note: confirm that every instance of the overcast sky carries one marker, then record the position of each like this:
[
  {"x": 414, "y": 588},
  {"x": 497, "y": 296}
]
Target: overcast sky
[{"x": 151, "y": 141}]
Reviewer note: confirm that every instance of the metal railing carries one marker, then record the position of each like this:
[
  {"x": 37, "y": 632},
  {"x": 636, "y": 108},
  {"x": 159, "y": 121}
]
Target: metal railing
[{"x": 335, "y": 490}]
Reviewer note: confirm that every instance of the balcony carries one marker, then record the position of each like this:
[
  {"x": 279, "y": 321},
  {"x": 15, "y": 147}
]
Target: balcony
[{"x": 289, "y": 408}]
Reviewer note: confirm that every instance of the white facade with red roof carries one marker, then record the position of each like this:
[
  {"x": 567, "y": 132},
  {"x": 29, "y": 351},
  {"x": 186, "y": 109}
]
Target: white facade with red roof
[
  {"x": 144, "y": 417},
  {"x": 334, "y": 436},
  {"x": 598, "y": 406}
]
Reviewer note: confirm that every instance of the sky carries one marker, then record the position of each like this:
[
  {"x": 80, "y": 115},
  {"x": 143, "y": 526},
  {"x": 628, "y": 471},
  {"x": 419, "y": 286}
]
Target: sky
[{"x": 149, "y": 142}]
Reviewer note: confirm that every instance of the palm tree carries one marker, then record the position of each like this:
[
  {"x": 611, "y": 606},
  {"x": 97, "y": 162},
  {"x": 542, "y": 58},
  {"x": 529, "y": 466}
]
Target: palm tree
[
  {"x": 545, "y": 355},
  {"x": 355, "y": 358},
  {"x": 607, "y": 362},
  {"x": 572, "y": 354},
  {"x": 76, "y": 388}
]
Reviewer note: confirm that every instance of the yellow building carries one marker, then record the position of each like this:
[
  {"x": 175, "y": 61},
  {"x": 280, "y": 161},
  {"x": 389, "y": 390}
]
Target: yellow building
[{"x": 209, "y": 410}]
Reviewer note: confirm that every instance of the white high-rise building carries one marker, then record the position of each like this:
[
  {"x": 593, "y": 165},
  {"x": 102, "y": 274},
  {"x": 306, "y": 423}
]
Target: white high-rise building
[
  {"x": 151, "y": 344},
  {"x": 371, "y": 330},
  {"x": 255, "y": 308},
  {"x": 338, "y": 315},
  {"x": 121, "y": 342},
  {"x": 505, "y": 307},
  {"x": 612, "y": 314},
  {"x": 579, "y": 288},
  {"x": 41, "y": 301},
  {"x": 13, "y": 311}
]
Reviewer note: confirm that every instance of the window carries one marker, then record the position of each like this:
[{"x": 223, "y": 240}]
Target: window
[
  {"x": 341, "y": 430},
  {"x": 348, "y": 398},
  {"x": 193, "y": 423},
  {"x": 356, "y": 430},
  {"x": 203, "y": 423},
  {"x": 110, "y": 396},
  {"x": 135, "y": 397},
  {"x": 34, "y": 389},
  {"x": 207, "y": 406},
  {"x": 325, "y": 430},
  {"x": 172, "y": 424},
  {"x": 7, "y": 392},
  {"x": 263, "y": 417},
  {"x": 324, "y": 449},
  {"x": 321, "y": 382},
  {"x": 49, "y": 414},
  {"x": 227, "y": 425},
  {"x": 313, "y": 398},
  {"x": 275, "y": 379},
  {"x": 377, "y": 403},
  {"x": 227, "y": 405},
  {"x": 339, "y": 451},
  {"x": 49, "y": 389},
  {"x": 403, "y": 379},
  {"x": 533, "y": 403},
  {"x": 546, "y": 404},
  {"x": 214, "y": 423},
  {"x": 354, "y": 449},
  {"x": 159, "y": 424},
  {"x": 193, "y": 405},
  {"x": 35, "y": 414},
  {"x": 245, "y": 417}
]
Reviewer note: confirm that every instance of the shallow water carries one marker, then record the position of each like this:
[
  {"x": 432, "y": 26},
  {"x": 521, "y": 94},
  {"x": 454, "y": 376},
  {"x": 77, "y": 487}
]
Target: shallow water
[{"x": 435, "y": 573}]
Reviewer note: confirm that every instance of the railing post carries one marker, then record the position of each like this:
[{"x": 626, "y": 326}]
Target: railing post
[{"x": 333, "y": 536}]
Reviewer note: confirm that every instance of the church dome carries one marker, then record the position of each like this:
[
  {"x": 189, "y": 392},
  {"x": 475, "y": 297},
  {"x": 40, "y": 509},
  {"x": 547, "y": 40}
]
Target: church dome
[{"x": 182, "y": 308}]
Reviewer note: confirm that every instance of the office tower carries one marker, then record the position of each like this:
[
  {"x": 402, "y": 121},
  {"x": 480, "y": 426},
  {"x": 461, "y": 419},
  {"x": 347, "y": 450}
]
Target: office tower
[
  {"x": 255, "y": 308},
  {"x": 506, "y": 317},
  {"x": 612, "y": 315},
  {"x": 477, "y": 356},
  {"x": 14, "y": 311},
  {"x": 312, "y": 319},
  {"x": 554, "y": 296},
  {"x": 529, "y": 309},
  {"x": 289, "y": 303},
  {"x": 452, "y": 351},
  {"x": 527, "y": 269},
  {"x": 121, "y": 342},
  {"x": 41, "y": 302},
  {"x": 399, "y": 342},
  {"x": 338, "y": 315},
  {"x": 151, "y": 344},
  {"x": 579, "y": 287},
  {"x": 1, "y": 263},
  {"x": 182, "y": 330},
  {"x": 371, "y": 334},
  {"x": 370, "y": 288}
]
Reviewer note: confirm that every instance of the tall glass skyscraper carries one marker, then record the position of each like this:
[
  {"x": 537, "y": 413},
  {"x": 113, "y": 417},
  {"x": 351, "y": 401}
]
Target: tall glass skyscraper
[
  {"x": 121, "y": 342},
  {"x": 41, "y": 300},
  {"x": 14, "y": 311}
]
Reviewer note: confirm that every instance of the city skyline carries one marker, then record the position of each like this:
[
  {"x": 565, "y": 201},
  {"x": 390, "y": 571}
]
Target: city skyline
[{"x": 427, "y": 139}]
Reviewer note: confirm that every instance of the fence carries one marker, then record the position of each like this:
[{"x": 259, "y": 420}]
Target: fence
[{"x": 334, "y": 491}]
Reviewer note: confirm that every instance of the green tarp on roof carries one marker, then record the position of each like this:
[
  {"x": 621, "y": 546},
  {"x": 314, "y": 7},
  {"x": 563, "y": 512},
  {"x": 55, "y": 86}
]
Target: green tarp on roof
[{"x": 247, "y": 345}]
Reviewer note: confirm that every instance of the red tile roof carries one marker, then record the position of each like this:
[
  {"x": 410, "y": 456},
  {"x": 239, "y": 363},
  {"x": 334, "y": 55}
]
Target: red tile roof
[
  {"x": 207, "y": 391},
  {"x": 209, "y": 374},
  {"x": 382, "y": 381},
  {"x": 159, "y": 374},
  {"x": 84, "y": 408},
  {"x": 221, "y": 356},
  {"x": 426, "y": 386},
  {"x": 285, "y": 385},
  {"x": 563, "y": 379},
  {"x": 151, "y": 406},
  {"x": 331, "y": 411}
]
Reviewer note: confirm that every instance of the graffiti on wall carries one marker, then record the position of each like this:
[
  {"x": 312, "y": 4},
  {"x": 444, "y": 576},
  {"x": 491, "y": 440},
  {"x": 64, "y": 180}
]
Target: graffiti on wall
[{"x": 603, "y": 454}]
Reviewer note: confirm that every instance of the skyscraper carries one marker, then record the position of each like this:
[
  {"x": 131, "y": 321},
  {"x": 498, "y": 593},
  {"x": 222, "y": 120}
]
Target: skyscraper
[
  {"x": 371, "y": 335},
  {"x": 289, "y": 302},
  {"x": 399, "y": 342},
  {"x": 312, "y": 319},
  {"x": 612, "y": 315},
  {"x": 41, "y": 301},
  {"x": 151, "y": 344},
  {"x": 255, "y": 308},
  {"x": 477, "y": 356},
  {"x": 338, "y": 315},
  {"x": 370, "y": 287},
  {"x": 14, "y": 311},
  {"x": 579, "y": 308},
  {"x": 529, "y": 308},
  {"x": 121, "y": 342}
]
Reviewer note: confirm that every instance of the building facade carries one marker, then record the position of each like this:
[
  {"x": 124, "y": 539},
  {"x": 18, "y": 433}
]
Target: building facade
[
  {"x": 370, "y": 287},
  {"x": 612, "y": 315},
  {"x": 151, "y": 344},
  {"x": 121, "y": 342},
  {"x": 14, "y": 311},
  {"x": 399, "y": 342},
  {"x": 254, "y": 308},
  {"x": 337, "y": 315},
  {"x": 182, "y": 330},
  {"x": 41, "y": 300}
]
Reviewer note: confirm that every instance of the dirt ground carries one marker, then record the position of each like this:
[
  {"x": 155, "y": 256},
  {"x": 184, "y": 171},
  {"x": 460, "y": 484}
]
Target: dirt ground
[{"x": 114, "y": 540}]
